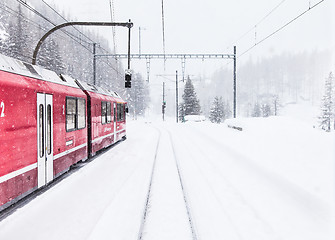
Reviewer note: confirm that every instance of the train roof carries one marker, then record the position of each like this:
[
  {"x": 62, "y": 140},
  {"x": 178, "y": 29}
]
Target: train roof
[
  {"x": 15, "y": 66},
  {"x": 97, "y": 89}
]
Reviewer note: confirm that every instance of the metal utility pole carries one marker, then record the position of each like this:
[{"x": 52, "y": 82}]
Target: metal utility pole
[
  {"x": 94, "y": 63},
  {"x": 234, "y": 110},
  {"x": 163, "y": 104},
  {"x": 177, "y": 96},
  {"x": 129, "y": 25},
  {"x": 139, "y": 40}
]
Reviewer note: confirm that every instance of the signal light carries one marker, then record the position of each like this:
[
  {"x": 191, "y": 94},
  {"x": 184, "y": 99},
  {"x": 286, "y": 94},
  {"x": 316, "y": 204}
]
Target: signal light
[{"x": 128, "y": 78}]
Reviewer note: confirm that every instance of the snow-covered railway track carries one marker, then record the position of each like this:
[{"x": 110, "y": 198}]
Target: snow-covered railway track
[
  {"x": 210, "y": 172},
  {"x": 186, "y": 198},
  {"x": 145, "y": 212},
  {"x": 155, "y": 208}
]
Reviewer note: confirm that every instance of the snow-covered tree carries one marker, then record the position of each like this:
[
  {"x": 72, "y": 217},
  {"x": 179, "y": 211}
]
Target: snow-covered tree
[
  {"x": 181, "y": 109},
  {"x": 217, "y": 112},
  {"x": 190, "y": 101},
  {"x": 327, "y": 106},
  {"x": 49, "y": 56},
  {"x": 266, "y": 110},
  {"x": 275, "y": 105},
  {"x": 256, "y": 111}
]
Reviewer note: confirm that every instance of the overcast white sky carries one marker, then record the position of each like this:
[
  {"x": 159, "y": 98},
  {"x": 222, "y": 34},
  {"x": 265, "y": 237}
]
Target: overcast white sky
[{"x": 212, "y": 26}]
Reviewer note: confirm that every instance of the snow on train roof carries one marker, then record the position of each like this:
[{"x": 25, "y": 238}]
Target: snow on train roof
[
  {"x": 12, "y": 65},
  {"x": 97, "y": 89}
]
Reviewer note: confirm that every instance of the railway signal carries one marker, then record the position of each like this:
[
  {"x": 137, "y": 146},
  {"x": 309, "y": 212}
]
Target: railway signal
[{"x": 128, "y": 78}]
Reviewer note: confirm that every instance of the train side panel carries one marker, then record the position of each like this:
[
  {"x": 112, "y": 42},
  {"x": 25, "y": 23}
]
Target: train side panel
[
  {"x": 20, "y": 170},
  {"x": 102, "y": 130},
  {"x": 18, "y": 163}
]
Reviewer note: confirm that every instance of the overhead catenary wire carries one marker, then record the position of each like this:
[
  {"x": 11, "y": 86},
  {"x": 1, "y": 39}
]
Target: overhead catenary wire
[
  {"x": 54, "y": 10},
  {"x": 91, "y": 41},
  {"x": 112, "y": 13},
  {"x": 73, "y": 37},
  {"x": 163, "y": 30},
  {"x": 281, "y": 28},
  {"x": 253, "y": 28}
]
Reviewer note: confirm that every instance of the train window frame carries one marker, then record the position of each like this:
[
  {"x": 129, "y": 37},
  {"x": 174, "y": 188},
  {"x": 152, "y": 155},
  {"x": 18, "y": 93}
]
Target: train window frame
[
  {"x": 118, "y": 116},
  {"x": 41, "y": 129},
  {"x": 76, "y": 115},
  {"x": 121, "y": 116},
  {"x": 103, "y": 113},
  {"x": 109, "y": 112},
  {"x": 49, "y": 128},
  {"x": 81, "y": 120}
]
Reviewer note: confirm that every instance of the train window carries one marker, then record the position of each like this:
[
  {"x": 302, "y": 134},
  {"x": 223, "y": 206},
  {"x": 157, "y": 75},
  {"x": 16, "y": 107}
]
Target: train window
[
  {"x": 103, "y": 112},
  {"x": 81, "y": 113},
  {"x": 114, "y": 111},
  {"x": 109, "y": 112},
  {"x": 41, "y": 129},
  {"x": 71, "y": 112},
  {"x": 49, "y": 144},
  {"x": 118, "y": 112},
  {"x": 75, "y": 113},
  {"x": 124, "y": 110}
]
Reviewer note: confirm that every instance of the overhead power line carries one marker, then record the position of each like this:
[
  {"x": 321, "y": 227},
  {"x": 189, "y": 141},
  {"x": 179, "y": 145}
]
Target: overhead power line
[
  {"x": 163, "y": 28},
  {"x": 73, "y": 37},
  {"x": 258, "y": 23},
  {"x": 281, "y": 28},
  {"x": 112, "y": 12},
  {"x": 54, "y": 10}
]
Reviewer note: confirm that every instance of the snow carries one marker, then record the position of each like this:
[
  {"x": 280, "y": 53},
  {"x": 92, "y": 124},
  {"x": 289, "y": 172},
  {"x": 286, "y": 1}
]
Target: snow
[
  {"x": 272, "y": 180},
  {"x": 194, "y": 118}
]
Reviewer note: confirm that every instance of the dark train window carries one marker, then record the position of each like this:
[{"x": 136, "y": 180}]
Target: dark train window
[
  {"x": 120, "y": 112},
  {"x": 114, "y": 112},
  {"x": 41, "y": 129},
  {"x": 109, "y": 112},
  {"x": 103, "y": 112},
  {"x": 75, "y": 113},
  {"x": 49, "y": 118}
]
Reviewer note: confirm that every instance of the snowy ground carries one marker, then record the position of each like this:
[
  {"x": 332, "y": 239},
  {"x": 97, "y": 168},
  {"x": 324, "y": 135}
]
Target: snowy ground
[{"x": 273, "y": 180}]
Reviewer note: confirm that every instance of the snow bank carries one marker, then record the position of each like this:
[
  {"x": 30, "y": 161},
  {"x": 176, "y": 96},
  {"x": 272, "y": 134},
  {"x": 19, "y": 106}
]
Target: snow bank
[
  {"x": 290, "y": 147},
  {"x": 194, "y": 118}
]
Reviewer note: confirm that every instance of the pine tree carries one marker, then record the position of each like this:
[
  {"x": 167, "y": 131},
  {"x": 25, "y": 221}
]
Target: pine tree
[
  {"x": 257, "y": 111},
  {"x": 190, "y": 101},
  {"x": 327, "y": 107},
  {"x": 266, "y": 110},
  {"x": 181, "y": 109},
  {"x": 275, "y": 105},
  {"x": 49, "y": 56},
  {"x": 217, "y": 112}
]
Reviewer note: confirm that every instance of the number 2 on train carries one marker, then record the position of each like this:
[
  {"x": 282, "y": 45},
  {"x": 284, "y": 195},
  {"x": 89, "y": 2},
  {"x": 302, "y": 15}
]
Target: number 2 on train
[{"x": 2, "y": 109}]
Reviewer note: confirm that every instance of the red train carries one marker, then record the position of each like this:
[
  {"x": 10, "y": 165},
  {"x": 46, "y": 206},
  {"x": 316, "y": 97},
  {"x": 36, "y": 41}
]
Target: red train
[{"x": 49, "y": 122}]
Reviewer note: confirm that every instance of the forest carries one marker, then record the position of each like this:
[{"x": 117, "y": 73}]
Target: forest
[{"x": 68, "y": 51}]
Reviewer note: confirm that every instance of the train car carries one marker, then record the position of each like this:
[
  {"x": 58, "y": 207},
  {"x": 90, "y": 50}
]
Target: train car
[
  {"x": 106, "y": 121},
  {"x": 43, "y": 128},
  {"x": 46, "y": 126}
]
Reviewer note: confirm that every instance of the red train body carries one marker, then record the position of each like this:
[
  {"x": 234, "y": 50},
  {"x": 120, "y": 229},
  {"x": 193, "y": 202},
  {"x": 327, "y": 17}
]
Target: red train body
[{"x": 48, "y": 123}]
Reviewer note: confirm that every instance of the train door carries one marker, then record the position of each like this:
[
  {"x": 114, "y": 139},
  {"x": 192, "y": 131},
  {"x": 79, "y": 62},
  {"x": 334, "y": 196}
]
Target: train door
[
  {"x": 44, "y": 138},
  {"x": 114, "y": 111}
]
